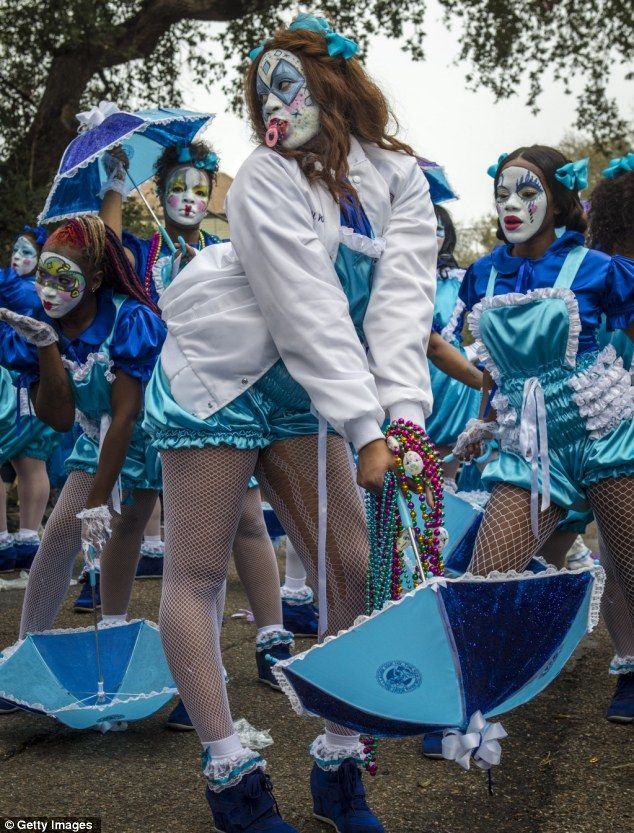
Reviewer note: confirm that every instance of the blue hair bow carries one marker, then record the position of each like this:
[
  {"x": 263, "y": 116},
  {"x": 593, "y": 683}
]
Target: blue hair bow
[
  {"x": 493, "y": 169},
  {"x": 573, "y": 175},
  {"x": 38, "y": 232},
  {"x": 336, "y": 44},
  {"x": 618, "y": 166},
  {"x": 207, "y": 163}
]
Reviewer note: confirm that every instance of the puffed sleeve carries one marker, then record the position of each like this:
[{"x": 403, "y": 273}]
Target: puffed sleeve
[
  {"x": 137, "y": 340},
  {"x": 18, "y": 355},
  {"x": 17, "y": 294},
  {"x": 619, "y": 293},
  {"x": 300, "y": 297}
]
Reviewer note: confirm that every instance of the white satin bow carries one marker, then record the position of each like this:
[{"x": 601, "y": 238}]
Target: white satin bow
[
  {"x": 89, "y": 119},
  {"x": 479, "y": 742}
]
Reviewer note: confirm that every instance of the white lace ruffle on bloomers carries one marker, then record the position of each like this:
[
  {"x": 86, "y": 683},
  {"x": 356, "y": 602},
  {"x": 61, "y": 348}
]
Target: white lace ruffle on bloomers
[
  {"x": 228, "y": 771},
  {"x": 80, "y": 372},
  {"x": 87, "y": 425},
  {"x": 329, "y": 757},
  {"x": 603, "y": 393},
  {"x": 622, "y": 665}
]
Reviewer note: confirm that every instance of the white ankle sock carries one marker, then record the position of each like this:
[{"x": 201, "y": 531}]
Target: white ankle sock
[
  {"x": 294, "y": 583},
  {"x": 26, "y": 534},
  {"x": 109, "y": 618},
  {"x": 152, "y": 539},
  {"x": 344, "y": 741},
  {"x": 225, "y": 748}
]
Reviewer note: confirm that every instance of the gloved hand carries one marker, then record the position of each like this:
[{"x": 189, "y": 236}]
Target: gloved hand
[
  {"x": 35, "y": 332},
  {"x": 95, "y": 531},
  {"x": 116, "y": 164},
  {"x": 469, "y": 443}
]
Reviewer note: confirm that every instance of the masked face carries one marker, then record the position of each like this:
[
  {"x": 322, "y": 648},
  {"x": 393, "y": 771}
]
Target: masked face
[
  {"x": 288, "y": 109},
  {"x": 60, "y": 284},
  {"x": 521, "y": 203},
  {"x": 24, "y": 256},
  {"x": 187, "y": 195}
]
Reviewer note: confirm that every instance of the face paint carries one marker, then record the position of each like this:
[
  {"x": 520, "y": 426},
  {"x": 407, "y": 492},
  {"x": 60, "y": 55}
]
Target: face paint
[
  {"x": 521, "y": 203},
  {"x": 440, "y": 234},
  {"x": 187, "y": 195},
  {"x": 288, "y": 109},
  {"x": 60, "y": 284},
  {"x": 24, "y": 256}
]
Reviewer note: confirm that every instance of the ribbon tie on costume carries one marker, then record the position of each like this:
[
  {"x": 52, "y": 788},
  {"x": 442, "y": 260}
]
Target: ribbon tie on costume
[
  {"x": 534, "y": 445},
  {"x": 479, "y": 743},
  {"x": 206, "y": 163},
  {"x": 493, "y": 169},
  {"x": 92, "y": 118},
  {"x": 620, "y": 165},
  {"x": 574, "y": 175},
  {"x": 336, "y": 43}
]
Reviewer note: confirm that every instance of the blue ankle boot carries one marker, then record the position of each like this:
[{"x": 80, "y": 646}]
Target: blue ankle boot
[
  {"x": 621, "y": 709},
  {"x": 8, "y": 556},
  {"x": 7, "y": 707},
  {"x": 247, "y": 807},
  {"x": 300, "y": 619},
  {"x": 432, "y": 744},
  {"x": 178, "y": 718},
  {"x": 339, "y": 799},
  {"x": 83, "y": 602},
  {"x": 265, "y": 661},
  {"x": 25, "y": 552}
]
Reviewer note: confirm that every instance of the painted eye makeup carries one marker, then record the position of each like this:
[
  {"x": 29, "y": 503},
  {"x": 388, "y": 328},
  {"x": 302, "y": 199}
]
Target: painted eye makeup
[{"x": 528, "y": 187}]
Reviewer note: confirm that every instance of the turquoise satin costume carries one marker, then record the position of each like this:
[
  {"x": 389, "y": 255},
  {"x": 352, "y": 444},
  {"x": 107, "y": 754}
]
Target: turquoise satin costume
[
  {"x": 454, "y": 403},
  {"x": 276, "y": 407},
  {"x": 126, "y": 335},
  {"x": 564, "y": 407}
]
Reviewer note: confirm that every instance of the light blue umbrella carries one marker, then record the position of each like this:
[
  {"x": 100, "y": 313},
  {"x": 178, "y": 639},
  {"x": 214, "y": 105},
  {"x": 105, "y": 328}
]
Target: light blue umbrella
[
  {"x": 58, "y": 673},
  {"x": 143, "y": 135}
]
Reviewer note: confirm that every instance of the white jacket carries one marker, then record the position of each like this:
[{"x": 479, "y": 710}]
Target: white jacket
[{"x": 273, "y": 292}]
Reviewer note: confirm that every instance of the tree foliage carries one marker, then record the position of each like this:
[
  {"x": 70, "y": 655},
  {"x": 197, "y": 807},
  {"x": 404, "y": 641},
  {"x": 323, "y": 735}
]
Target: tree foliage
[{"x": 61, "y": 56}]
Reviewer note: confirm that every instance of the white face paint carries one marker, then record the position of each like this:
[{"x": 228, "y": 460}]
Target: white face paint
[
  {"x": 24, "y": 256},
  {"x": 187, "y": 195},
  {"x": 288, "y": 109},
  {"x": 521, "y": 203},
  {"x": 60, "y": 284}
]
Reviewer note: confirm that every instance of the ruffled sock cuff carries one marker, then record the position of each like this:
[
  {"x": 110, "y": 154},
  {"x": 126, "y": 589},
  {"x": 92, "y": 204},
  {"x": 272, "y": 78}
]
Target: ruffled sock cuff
[
  {"x": 271, "y": 638},
  {"x": 622, "y": 665},
  {"x": 152, "y": 550},
  {"x": 329, "y": 756},
  {"x": 228, "y": 770},
  {"x": 297, "y": 596}
]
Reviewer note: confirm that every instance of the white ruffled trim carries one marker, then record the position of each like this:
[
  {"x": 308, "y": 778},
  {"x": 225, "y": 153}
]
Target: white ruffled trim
[
  {"x": 448, "y": 332},
  {"x": 302, "y": 596},
  {"x": 87, "y": 425},
  {"x": 518, "y": 299},
  {"x": 622, "y": 665},
  {"x": 593, "y": 613},
  {"x": 157, "y": 273},
  {"x": 329, "y": 757},
  {"x": 603, "y": 393},
  {"x": 270, "y": 639},
  {"x": 100, "y": 152},
  {"x": 229, "y": 771},
  {"x": 506, "y": 418},
  {"x": 153, "y": 550},
  {"x": 79, "y": 371},
  {"x": 477, "y": 498},
  {"x": 370, "y": 246}
]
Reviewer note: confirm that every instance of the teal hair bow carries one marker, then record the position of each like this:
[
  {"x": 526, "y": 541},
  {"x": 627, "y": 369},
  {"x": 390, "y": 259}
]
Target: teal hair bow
[
  {"x": 618, "y": 166},
  {"x": 573, "y": 175},
  {"x": 336, "y": 44},
  {"x": 493, "y": 169},
  {"x": 206, "y": 163}
]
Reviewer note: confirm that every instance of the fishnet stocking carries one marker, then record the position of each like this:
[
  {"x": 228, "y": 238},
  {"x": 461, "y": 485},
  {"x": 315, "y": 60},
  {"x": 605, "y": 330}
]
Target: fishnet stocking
[
  {"x": 256, "y": 564},
  {"x": 612, "y": 502},
  {"x": 505, "y": 540}
]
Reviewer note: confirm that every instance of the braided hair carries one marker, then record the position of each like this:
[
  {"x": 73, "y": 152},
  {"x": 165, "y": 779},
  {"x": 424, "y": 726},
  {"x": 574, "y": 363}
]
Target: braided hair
[{"x": 102, "y": 250}]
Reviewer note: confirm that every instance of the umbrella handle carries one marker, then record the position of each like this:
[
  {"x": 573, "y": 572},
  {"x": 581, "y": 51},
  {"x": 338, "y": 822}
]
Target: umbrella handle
[
  {"x": 161, "y": 228},
  {"x": 409, "y": 526}
]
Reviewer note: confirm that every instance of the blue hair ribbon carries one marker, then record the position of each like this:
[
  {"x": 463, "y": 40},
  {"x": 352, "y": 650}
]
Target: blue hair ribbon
[
  {"x": 38, "y": 232},
  {"x": 573, "y": 175},
  {"x": 210, "y": 162},
  {"x": 336, "y": 43},
  {"x": 493, "y": 169},
  {"x": 618, "y": 166}
]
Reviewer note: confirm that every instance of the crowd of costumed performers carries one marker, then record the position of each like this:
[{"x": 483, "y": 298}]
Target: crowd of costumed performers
[{"x": 161, "y": 383}]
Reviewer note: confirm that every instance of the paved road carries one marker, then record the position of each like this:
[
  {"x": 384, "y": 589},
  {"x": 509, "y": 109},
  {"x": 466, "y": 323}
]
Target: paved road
[{"x": 564, "y": 768}]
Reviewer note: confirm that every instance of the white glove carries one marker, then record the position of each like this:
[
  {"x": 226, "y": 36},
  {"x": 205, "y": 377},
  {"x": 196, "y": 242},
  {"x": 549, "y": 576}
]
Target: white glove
[
  {"x": 95, "y": 531},
  {"x": 116, "y": 166},
  {"x": 35, "y": 332},
  {"x": 476, "y": 432}
]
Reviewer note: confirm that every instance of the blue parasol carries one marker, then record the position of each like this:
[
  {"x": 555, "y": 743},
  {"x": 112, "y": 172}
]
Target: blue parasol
[
  {"x": 143, "y": 135},
  {"x": 439, "y": 188},
  {"x": 58, "y": 673}
]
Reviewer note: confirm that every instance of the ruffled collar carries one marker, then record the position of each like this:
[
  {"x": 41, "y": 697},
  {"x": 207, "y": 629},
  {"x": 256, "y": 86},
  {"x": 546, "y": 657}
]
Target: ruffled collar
[
  {"x": 508, "y": 264},
  {"x": 96, "y": 332}
]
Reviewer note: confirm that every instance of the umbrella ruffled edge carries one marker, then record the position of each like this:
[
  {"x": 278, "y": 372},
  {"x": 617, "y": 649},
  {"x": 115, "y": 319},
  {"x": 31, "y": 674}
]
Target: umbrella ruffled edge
[
  {"x": 90, "y": 159},
  {"x": 495, "y": 576},
  {"x": 81, "y": 706}
]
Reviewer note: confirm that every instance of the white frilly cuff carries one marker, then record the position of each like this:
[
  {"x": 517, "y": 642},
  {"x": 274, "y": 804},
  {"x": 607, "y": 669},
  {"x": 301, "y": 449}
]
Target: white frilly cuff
[
  {"x": 270, "y": 639},
  {"x": 329, "y": 757},
  {"x": 622, "y": 665},
  {"x": 229, "y": 770},
  {"x": 302, "y": 596},
  {"x": 409, "y": 411}
]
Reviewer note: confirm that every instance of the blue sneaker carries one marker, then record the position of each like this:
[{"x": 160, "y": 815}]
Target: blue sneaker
[
  {"x": 339, "y": 799},
  {"x": 621, "y": 709},
  {"x": 25, "y": 553},
  {"x": 149, "y": 566},
  {"x": 273, "y": 525},
  {"x": 432, "y": 744},
  {"x": 300, "y": 619},
  {"x": 247, "y": 807},
  {"x": 6, "y": 706},
  {"x": 178, "y": 719},
  {"x": 265, "y": 661},
  {"x": 8, "y": 555},
  {"x": 83, "y": 602}
]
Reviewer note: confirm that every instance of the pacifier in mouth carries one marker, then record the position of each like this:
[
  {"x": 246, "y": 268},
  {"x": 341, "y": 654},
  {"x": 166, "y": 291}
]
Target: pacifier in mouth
[{"x": 276, "y": 131}]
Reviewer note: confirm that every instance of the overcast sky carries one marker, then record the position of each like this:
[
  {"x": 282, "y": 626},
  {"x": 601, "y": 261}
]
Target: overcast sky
[{"x": 465, "y": 131}]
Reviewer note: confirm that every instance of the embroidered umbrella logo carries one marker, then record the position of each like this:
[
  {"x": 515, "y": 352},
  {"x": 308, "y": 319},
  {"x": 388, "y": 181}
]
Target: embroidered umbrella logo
[{"x": 398, "y": 677}]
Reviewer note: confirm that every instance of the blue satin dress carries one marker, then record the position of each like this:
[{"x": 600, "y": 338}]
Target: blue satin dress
[
  {"x": 564, "y": 406},
  {"x": 454, "y": 403},
  {"x": 276, "y": 407},
  {"x": 125, "y": 335}
]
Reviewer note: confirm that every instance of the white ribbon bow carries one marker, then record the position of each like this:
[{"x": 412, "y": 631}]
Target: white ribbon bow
[
  {"x": 534, "y": 445},
  {"x": 89, "y": 119},
  {"x": 479, "y": 742}
]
